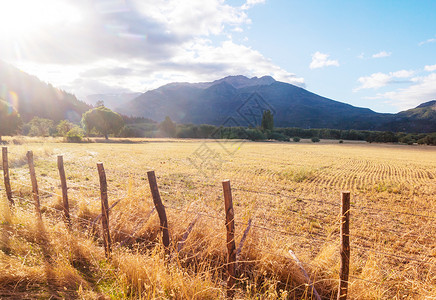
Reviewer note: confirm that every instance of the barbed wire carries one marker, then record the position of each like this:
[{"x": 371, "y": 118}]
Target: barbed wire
[{"x": 254, "y": 225}]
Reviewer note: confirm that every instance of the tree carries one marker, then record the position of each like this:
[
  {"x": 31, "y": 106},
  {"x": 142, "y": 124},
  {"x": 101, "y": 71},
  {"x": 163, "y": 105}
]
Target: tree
[
  {"x": 10, "y": 120},
  {"x": 168, "y": 127},
  {"x": 103, "y": 120},
  {"x": 41, "y": 127},
  {"x": 267, "y": 120},
  {"x": 64, "y": 126}
]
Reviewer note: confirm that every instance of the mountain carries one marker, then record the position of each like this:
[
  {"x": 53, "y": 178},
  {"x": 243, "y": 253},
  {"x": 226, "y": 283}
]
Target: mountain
[
  {"x": 419, "y": 119},
  {"x": 112, "y": 101},
  {"x": 33, "y": 98},
  {"x": 240, "y": 101}
]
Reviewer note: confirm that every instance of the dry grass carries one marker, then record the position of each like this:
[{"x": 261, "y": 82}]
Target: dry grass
[{"x": 292, "y": 189}]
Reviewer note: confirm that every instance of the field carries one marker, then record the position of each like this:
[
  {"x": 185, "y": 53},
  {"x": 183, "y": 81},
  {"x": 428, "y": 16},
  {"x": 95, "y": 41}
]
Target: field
[{"x": 290, "y": 191}]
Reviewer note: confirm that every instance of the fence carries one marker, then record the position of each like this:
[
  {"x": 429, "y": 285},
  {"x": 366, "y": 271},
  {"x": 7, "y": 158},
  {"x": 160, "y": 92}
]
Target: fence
[{"x": 233, "y": 250}]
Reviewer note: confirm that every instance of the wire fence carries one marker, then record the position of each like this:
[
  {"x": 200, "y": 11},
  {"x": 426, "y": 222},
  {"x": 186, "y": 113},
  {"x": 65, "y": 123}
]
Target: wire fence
[{"x": 257, "y": 224}]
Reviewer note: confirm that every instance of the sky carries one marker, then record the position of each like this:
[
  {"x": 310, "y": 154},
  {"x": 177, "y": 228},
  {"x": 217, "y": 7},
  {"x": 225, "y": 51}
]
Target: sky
[{"x": 375, "y": 54}]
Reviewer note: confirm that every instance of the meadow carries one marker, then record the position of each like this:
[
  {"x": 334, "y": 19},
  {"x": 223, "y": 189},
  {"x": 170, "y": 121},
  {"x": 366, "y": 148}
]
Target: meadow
[{"x": 290, "y": 191}]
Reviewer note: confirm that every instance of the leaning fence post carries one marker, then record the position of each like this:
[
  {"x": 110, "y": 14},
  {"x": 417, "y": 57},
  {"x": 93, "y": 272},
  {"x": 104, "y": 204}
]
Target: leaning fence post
[
  {"x": 6, "y": 175},
  {"x": 231, "y": 245},
  {"x": 345, "y": 246},
  {"x": 104, "y": 210},
  {"x": 160, "y": 208},
  {"x": 35, "y": 191},
  {"x": 64, "y": 191}
]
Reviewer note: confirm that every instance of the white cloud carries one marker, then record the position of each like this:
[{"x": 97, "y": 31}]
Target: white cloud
[
  {"x": 381, "y": 54},
  {"x": 373, "y": 81},
  {"x": 423, "y": 90},
  {"x": 138, "y": 45},
  {"x": 430, "y": 68},
  {"x": 251, "y": 3},
  {"x": 432, "y": 40},
  {"x": 194, "y": 17},
  {"x": 402, "y": 74},
  {"x": 378, "y": 80},
  {"x": 321, "y": 60}
]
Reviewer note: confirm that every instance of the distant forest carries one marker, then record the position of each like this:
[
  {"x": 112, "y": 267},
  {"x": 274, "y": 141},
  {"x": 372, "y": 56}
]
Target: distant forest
[{"x": 136, "y": 127}]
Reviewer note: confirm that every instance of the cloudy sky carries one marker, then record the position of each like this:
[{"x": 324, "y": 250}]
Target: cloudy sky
[{"x": 376, "y": 54}]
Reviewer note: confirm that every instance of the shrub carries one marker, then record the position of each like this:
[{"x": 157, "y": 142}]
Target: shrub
[
  {"x": 315, "y": 140},
  {"x": 75, "y": 135},
  {"x": 272, "y": 135},
  {"x": 341, "y": 141},
  {"x": 255, "y": 134},
  {"x": 296, "y": 139}
]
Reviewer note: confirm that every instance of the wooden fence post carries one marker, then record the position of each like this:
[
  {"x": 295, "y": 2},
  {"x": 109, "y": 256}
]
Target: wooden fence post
[
  {"x": 6, "y": 175},
  {"x": 160, "y": 208},
  {"x": 35, "y": 191},
  {"x": 104, "y": 210},
  {"x": 231, "y": 245},
  {"x": 345, "y": 246},
  {"x": 64, "y": 191}
]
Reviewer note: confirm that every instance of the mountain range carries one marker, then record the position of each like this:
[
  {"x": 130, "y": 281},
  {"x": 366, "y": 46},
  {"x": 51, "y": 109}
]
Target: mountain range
[
  {"x": 230, "y": 101},
  {"x": 238, "y": 100}
]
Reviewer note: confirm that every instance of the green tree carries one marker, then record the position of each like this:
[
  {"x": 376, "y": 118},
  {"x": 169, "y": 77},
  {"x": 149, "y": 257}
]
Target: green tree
[
  {"x": 10, "y": 120},
  {"x": 64, "y": 126},
  {"x": 41, "y": 127},
  {"x": 168, "y": 127},
  {"x": 103, "y": 120},
  {"x": 267, "y": 120}
]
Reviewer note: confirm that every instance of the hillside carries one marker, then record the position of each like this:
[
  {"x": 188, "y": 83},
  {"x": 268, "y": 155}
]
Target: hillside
[
  {"x": 244, "y": 99},
  {"x": 419, "y": 119},
  {"x": 32, "y": 97}
]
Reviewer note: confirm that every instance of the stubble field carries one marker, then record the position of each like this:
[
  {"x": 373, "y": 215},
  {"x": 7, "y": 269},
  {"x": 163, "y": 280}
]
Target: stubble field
[{"x": 290, "y": 192}]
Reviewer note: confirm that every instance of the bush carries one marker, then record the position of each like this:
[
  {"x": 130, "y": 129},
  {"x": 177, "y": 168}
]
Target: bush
[
  {"x": 272, "y": 135},
  {"x": 255, "y": 135},
  {"x": 296, "y": 139},
  {"x": 75, "y": 135},
  {"x": 315, "y": 140},
  {"x": 341, "y": 141}
]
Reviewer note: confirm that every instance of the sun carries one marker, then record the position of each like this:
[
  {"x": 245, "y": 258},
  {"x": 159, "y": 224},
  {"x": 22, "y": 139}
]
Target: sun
[{"x": 19, "y": 18}]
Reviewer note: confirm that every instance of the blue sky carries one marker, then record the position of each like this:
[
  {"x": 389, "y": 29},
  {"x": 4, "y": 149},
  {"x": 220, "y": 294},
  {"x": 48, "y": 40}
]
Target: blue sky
[{"x": 376, "y": 54}]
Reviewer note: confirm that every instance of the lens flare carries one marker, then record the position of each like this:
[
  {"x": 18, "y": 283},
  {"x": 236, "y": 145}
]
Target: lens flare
[{"x": 12, "y": 99}]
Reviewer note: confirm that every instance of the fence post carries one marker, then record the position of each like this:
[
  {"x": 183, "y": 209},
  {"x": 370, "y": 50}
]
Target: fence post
[
  {"x": 35, "y": 191},
  {"x": 64, "y": 191},
  {"x": 160, "y": 208},
  {"x": 6, "y": 175},
  {"x": 345, "y": 246},
  {"x": 231, "y": 245},
  {"x": 104, "y": 210}
]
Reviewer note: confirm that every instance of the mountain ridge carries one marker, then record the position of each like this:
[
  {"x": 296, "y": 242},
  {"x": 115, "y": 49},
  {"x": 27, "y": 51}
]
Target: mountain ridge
[
  {"x": 33, "y": 98},
  {"x": 214, "y": 102}
]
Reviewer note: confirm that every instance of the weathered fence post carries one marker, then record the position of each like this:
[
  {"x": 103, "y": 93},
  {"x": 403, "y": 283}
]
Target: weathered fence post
[
  {"x": 64, "y": 191},
  {"x": 104, "y": 210},
  {"x": 231, "y": 245},
  {"x": 345, "y": 246},
  {"x": 160, "y": 208},
  {"x": 6, "y": 175},
  {"x": 35, "y": 191}
]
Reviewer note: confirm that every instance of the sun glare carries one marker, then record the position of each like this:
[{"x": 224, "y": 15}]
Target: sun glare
[{"x": 27, "y": 17}]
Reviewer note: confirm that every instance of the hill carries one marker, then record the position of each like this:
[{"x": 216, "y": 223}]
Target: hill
[
  {"x": 244, "y": 99},
  {"x": 419, "y": 119},
  {"x": 34, "y": 98}
]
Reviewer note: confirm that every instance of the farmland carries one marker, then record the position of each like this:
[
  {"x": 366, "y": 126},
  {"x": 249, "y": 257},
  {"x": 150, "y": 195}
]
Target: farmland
[{"x": 290, "y": 191}]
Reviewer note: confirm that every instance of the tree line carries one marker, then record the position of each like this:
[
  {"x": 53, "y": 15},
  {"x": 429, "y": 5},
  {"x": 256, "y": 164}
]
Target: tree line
[{"x": 101, "y": 121}]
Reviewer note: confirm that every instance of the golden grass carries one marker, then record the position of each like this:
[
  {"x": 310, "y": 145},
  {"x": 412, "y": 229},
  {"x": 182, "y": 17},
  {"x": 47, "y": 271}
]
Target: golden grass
[{"x": 290, "y": 188}]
